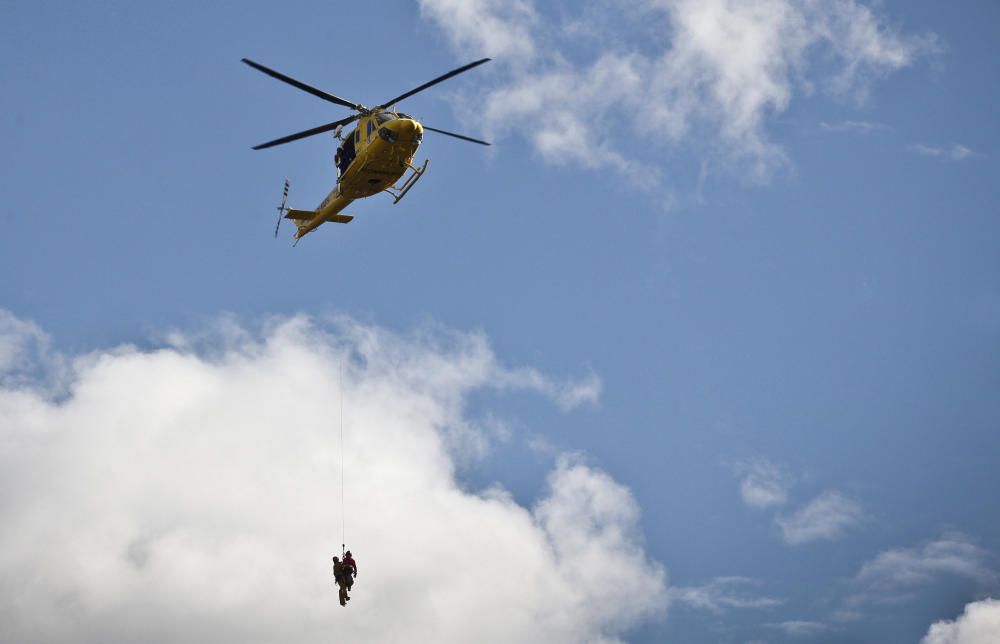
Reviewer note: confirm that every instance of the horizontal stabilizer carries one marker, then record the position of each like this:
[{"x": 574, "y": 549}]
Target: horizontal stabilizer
[
  {"x": 301, "y": 214},
  {"x": 309, "y": 215}
]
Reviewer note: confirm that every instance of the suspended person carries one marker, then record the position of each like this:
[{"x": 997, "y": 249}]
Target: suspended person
[
  {"x": 340, "y": 575},
  {"x": 350, "y": 569}
]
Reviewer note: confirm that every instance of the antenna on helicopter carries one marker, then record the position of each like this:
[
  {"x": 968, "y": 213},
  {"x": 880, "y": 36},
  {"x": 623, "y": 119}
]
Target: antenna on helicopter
[{"x": 281, "y": 209}]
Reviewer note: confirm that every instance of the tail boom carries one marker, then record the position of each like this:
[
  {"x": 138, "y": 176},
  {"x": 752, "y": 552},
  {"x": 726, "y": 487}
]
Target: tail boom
[{"x": 307, "y": 221}]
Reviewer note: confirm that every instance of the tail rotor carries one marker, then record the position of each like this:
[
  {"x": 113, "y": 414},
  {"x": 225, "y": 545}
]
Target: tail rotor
[{"x": 282, "y": 209}]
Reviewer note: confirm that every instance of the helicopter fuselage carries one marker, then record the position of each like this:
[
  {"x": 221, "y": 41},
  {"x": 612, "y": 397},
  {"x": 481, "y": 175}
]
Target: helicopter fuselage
[{"x": 382, "y": 147}]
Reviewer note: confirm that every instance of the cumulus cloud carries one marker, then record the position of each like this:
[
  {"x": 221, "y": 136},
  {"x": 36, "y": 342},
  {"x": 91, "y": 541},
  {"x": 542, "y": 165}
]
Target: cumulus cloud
[
  {"x": 978, "y": 624},
  {"x": 714, "y": 70},
  {"x": 956, "y": 152},
  {"x": 722, "y": 594},
  {"x": 191, "y": 492},
  {"x": 764, "y": 484},
  {"x": 826, "y": 517},
  {"x": 894, "y": 574}
]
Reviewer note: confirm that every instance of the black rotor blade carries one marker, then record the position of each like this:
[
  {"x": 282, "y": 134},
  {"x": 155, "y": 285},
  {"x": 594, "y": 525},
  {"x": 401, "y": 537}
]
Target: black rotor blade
[
  {"x": 306, "y": 88},
  {"x": 304, "y": 134},
  {"x": 457, "y": 136},
  {"x": 454, "y": 72}
]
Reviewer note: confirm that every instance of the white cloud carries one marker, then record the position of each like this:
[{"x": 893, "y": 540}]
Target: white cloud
[
  {"x": 567, "y": 395},
  {"x": 956, "y": 152},
  {"x": 714, "y": 71},
  {"x": 764, "y": 484},
  {"x": 541, "y": 446},
  {"x": 800, "y": 628},
  {"x": 855, "y": 127},
  {"x": 186, "y": 494},
  {"x": 16, "y": 338},
  {"x": 722, "y": 594},
  {"x": 978, "y": 624},
  {"x": 826, "y": 517},
  {"x": 499, "y": 28},
  {"x": 895, "y": 573},
  {"x": 26, "y": 357}
]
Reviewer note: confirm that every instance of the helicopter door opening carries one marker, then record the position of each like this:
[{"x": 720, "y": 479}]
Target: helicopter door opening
[{"x": 345, "y": 155}]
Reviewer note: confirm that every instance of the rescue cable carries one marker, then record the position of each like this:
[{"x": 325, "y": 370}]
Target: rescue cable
[{"x": 343, "y": 519}]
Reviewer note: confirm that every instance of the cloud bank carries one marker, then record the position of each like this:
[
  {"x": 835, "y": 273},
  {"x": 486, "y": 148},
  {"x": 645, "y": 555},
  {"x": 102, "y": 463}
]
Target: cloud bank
[
  {"x": 691, "y": 71},
  {"x": 192, "y": 493}
]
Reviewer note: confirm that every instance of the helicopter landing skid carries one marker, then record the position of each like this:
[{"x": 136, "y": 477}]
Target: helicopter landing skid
[{"x": 400, "y": 192}]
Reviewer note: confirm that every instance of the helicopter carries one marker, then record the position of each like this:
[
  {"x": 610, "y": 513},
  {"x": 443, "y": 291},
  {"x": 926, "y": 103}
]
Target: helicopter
[{"x": 370, "y": 159}]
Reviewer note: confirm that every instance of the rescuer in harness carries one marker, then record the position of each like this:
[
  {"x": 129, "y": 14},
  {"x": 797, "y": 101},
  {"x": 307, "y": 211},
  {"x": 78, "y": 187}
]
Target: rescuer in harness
[
  {"x": 344, "y": 573},
  {"x": 341, "y": 575},
  {"x": 350, "y": 569}
]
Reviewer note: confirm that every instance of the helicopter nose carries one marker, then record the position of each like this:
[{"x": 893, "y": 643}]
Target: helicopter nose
[
  {"x": 404, "y": 130},
  {"x": 408, "y": 129}
]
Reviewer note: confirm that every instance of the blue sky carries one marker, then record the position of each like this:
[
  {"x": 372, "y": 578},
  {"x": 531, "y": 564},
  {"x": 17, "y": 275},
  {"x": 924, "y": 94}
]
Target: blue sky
[{"x": 757, "y": 240}]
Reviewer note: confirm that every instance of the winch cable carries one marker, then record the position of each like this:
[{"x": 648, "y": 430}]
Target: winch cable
[{"x": 343, "y": 518}]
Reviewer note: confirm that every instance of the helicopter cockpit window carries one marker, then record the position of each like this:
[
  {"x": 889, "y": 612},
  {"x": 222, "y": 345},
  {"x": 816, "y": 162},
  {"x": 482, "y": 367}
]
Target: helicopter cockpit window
[{"x": 384, "y": 117}]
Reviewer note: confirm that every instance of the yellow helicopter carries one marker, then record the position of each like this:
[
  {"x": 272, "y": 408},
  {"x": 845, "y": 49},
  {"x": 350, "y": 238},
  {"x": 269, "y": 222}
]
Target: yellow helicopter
[{"x": 371, "y": 158}]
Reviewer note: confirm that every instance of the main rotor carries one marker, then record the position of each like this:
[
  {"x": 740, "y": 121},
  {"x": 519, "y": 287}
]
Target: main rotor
[{"x": 361, "y": 110}]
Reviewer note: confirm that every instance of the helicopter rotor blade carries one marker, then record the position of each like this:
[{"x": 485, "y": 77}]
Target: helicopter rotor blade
[
  {"x": 454, "y": 72},
  {"x": 305, "y": 133},
  {"x": 457, "y": 136},
  {"x": 305, "y": 88}
]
